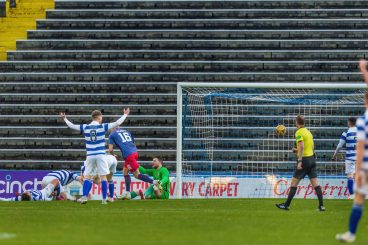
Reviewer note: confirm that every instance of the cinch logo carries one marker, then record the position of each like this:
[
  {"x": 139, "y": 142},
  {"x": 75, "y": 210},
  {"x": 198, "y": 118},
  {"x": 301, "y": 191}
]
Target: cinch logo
[{"x": 10, "y": 186}]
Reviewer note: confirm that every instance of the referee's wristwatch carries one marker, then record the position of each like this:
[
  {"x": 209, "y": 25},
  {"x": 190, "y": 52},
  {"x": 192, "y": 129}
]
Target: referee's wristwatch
[{"x": 299, "y": 161}]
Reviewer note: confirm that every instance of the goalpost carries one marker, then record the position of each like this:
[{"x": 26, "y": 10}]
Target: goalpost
[{"x": 227, "y": 145}]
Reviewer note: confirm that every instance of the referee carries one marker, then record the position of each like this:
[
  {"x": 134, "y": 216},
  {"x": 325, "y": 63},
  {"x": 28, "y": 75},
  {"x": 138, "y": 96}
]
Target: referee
[{"x": 306, "y": 164}]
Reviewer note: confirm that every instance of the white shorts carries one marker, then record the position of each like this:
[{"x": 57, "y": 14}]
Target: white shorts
[
  {"x": 364, "y": 189},
  {"x": 47, "y": 180},
  {"x": 349, "y": 167},
  {"x": 96, "y": 164},
  {"x": 112, "y": 163}
]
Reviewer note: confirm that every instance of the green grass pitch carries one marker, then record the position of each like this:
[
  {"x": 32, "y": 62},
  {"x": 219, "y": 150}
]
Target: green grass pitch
[{"x": 225, "y": 221}]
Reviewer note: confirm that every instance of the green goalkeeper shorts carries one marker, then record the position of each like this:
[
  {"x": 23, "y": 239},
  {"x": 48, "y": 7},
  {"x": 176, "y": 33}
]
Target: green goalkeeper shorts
[{"x": 151, "y": 194}]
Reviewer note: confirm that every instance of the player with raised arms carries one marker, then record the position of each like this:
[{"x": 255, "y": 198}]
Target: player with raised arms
[
  {"x": 124, "y": 140},
  {"x": 306, "y": 164},
  {"x": 112, "y": 163},
  {"x": 63, "y": 177},
  {"x": 94, "y": 134},
  {"x": 158, "y": 172},
  {"x": 349, "y": 138}
]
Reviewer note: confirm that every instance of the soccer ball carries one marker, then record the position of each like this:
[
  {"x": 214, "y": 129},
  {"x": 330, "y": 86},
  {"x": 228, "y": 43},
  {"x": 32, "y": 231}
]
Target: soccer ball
[{"x": 280, "y": 130}]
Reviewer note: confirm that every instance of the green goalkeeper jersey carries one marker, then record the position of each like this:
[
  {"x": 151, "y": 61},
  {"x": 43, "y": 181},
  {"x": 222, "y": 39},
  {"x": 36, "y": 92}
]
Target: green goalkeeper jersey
[{"x": 161, "y": 174}]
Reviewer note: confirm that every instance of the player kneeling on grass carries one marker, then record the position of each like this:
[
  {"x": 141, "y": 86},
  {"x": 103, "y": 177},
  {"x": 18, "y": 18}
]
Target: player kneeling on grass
[
  {"x": 124, "y": 140},
  {"x": 361, "y": 185},
  {"x": 159, "y": 173},
  {"x": 349, "y": 138},
  {"x": 306, "y": 164},
  {"x": 46, "y": 194},
  {"x": 63, "y": 177},
  {"x": 112, "y": 163}
]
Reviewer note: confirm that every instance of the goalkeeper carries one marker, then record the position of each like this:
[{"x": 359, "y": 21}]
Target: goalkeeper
[{"x": 160, "y": 173}]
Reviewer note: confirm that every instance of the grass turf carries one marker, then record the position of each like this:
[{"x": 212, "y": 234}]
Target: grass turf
[{"x": 224, "y": 221}]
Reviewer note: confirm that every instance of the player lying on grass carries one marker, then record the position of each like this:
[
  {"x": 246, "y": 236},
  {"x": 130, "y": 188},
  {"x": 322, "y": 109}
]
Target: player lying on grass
[
  {"x": 124, "y": 140},
  {"x": 46, "y": 194},
  {"x": 361, "y": 178},
  {"x": 112, "y": 163},
  {"x": 160, "y": 173},
  {"x": 349, "y": 138},
  {"x": 306, "y": 164},
  {"x": 63, "y": 177},
  {"x": 94, "y": 134}
]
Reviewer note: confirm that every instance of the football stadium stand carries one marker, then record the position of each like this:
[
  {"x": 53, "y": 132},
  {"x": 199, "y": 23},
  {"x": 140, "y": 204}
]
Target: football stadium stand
[{"x": 110, "y": 54}]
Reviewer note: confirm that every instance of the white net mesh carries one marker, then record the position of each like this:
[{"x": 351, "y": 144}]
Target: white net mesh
[{"x": 231, "y": 149}]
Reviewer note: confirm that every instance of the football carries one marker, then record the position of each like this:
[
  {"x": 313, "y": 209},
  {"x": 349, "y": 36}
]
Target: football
[{"x": 280, "y": 130}]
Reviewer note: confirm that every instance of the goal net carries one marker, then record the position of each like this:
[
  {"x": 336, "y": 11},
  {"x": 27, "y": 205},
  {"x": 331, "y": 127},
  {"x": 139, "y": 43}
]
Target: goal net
[{"x": 227, "y": 145}]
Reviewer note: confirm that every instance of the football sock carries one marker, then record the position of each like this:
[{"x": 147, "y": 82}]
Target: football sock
[
  {"x": 356, "y": 214},
  {"x": 87, "y": 186},
  {"x": 104, "y": 189},
  {"x": 291, "y": 195},
  {"x": 319, "y": 195},
  {"x": 351, "y": 186},
  {"x": 127, "y": 182},
  {"x": 111, "y": 189},
  {"x": 145, "y": 178}
]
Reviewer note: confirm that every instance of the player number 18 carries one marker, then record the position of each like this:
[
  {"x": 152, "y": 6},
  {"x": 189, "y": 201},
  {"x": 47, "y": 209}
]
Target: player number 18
[{"x": 125, "y": 137}]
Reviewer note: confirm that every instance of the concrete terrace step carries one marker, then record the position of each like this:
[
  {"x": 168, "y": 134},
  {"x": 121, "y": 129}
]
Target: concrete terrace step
[
  {"x": 83, "y": 98},
  {"x": 198, "y": 34},
  {"x": 191, "y": 44},
  {"x": 286, "y": 23},
  {"x": 76, "y": 154},
  {"x": 180, "y": 66},
  {"x": 27, "y": 143},
  {"x": 88, "y": 87},
  {"x": 252, "y": 120},
  {"x": 75, "y": 109},
  {"x": 149, "y": 77},
  {"x": 149, "y": 54},
  {"x": 143, "y": 146},
  {"x": 204, "y": 13},
  {"x": 41, "y": 119},
  {"x": 207, "y": 4},
  {"x": 47, "y": 131}
]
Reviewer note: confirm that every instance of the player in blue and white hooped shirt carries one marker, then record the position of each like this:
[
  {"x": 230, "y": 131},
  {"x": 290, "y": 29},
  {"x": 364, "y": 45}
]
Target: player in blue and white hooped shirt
[
  {"x": 35, "y": 195},
  {"x": 112, "y": 163},
  {"x": 349, "y": 138},
  {"x": 361, "y": 175},
  {"x": 64, "y": 177},
  {"x": 96, "y": 152}
]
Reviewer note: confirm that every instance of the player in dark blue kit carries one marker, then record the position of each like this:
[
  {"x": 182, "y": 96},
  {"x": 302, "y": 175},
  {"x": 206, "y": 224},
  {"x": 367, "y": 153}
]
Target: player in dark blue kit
[{"x": 124, "y": 140}]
